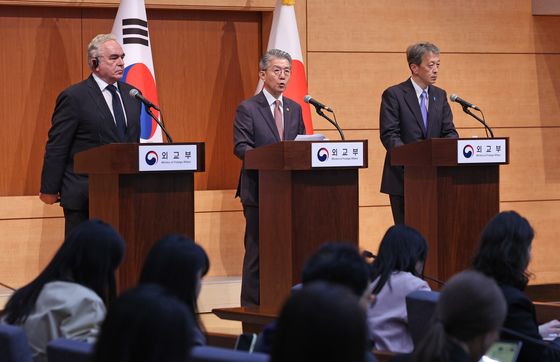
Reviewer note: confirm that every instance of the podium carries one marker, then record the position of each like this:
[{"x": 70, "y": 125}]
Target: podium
[
  {"x": 451, "y": 191},
  {"x": 142, "y": 206},
  {"x": 308, "y": 195}
]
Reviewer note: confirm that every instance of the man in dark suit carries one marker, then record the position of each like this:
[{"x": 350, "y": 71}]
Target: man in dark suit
[
  {"x": 266, "y": 118},
  {"x": 412, "y": 111},
  {"x": 88, "y": 114}
]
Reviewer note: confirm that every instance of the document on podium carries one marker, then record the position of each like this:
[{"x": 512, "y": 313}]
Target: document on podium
[{"x": 310, "y": 137}]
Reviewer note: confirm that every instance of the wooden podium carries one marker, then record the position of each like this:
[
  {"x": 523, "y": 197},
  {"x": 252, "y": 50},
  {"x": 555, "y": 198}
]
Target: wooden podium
[
  {"x": 301, "y": 206},
  {"x": 141, "y": 206},
  {"x": 449, "y": 202}
]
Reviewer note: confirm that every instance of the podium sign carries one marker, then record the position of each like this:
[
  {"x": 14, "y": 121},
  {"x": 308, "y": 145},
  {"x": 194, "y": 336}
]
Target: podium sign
[
  {"x": 481, "y": 151},
  {"x": 170, "y": 157},
  {"x": 337, "y": 154}
]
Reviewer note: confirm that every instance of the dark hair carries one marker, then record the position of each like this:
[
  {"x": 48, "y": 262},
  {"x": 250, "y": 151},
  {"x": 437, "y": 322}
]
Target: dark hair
[
  {"x": 470, "y": 305},
  {"x": 320, "y": 322},
  {"x": 146, "y": 324},
  {"x": 88, "y": 256},
  {"x": 273, "y": 53},
  {"x": 339, "y": 263},
  {"x": 177, "y": 264},
  {"x": 503, "y": 252},
  {"x": 415, "y": 52},
  {"x": 401, "y": 249}
]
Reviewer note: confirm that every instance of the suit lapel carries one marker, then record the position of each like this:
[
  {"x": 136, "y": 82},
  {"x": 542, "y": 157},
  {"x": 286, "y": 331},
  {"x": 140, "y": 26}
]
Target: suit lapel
[
  {"x": 288, "y": 120},
  {"x": 412, "y": 102},
  {"x": 106, "y": 118},
  {"x": 264, "y": 108},
  {"x": 434, "y": 109}
]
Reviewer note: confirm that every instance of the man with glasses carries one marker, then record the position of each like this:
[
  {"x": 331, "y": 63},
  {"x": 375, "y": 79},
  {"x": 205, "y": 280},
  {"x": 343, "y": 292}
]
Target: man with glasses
[
  {"x": 266, "y": 118},
  {"x": 410, "y": 112},
  {"x": 88, "y": 114}
]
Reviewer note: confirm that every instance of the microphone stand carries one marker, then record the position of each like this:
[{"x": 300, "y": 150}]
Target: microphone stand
[
  {"x": 431, "y": 279},
  {"x": 525, "y": 338},
  {"x": 334, "y": 123},
  {"x": 366, "y": 254},
  {"x": 467, "y": 111},
  {"x": 169, "y": 140},
  {"x": 7, "y": 287}
]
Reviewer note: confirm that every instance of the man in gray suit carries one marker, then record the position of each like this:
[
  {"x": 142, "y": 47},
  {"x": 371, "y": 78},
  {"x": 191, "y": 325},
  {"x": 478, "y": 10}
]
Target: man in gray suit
[
  {"x": 266, "y": 118},
  {"x": 412, "y": 111},
  {"x": 88, "y": 114}
]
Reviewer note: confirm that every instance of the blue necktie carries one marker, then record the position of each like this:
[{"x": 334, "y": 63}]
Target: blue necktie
[
  {"x": 424, "y": 109},
  {"x": 118, "y": 112}
]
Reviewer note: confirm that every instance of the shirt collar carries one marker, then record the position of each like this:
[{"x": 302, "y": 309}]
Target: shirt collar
[
  {"x": 101, "y": 83},
  {"x": 417, "y": 88},
  {"x": 270, "y": 98}
]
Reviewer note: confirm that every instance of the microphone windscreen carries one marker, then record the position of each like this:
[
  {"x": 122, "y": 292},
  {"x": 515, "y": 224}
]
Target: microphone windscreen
[
  {"x": 133, "y": 92},
  {"x": 307, "y": 98},
  {"x": 453, "y": 97}
]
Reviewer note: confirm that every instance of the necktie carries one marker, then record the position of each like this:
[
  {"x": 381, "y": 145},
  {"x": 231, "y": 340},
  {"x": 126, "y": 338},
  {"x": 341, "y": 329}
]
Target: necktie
[
  {"x": 278, "y": 119},
  {"x": 424, "y": 109},
  {"x": 118, "y": 112}
]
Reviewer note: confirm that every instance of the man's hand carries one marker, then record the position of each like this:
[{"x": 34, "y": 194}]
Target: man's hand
[
  {"x": 550, "y": 330},
  {"x": 48, "y": 199}
]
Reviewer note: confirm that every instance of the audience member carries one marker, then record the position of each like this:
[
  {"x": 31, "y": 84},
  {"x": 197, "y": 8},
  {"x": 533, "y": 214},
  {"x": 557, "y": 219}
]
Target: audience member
[
  {"x": 178, "y": 264},
  {"x": 68, "y": 298},
  {"x": 320, "y": 323},
  {"x": 342, "y": 264},
  {"x": 146, "y": 324},
  {"x": 396, "y": 272},
  {"x": 504, "y": 254},
  {"x": 467, "y": 320},
  {"x": 338, "y": 264}
]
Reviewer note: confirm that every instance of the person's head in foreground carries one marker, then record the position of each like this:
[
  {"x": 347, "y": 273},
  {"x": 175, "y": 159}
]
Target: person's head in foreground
[
  {"x": 146, "y": 324},
  {"x": 467, "y": 320},
  {"x": 320, "y": 322}
]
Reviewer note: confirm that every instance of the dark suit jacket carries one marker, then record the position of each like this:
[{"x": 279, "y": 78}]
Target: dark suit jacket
[
  {"x": 521, "y": 318},
  {"x": 82, "y": 120},
  {"x": 253, "y": 127},
  {"x": 400, "y": 122}
]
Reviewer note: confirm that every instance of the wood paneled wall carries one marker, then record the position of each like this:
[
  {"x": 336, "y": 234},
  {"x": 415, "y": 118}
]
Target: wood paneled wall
[
  {"x": 205, "y": 62},
  {"x": 494, "y": 53},
  {"x": 245, "y": 5},
  {"x": 31, "y": 232}
]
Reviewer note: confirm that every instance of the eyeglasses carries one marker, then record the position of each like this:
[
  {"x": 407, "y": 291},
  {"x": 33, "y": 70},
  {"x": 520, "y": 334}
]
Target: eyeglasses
[{"x": 278, "y": 71}]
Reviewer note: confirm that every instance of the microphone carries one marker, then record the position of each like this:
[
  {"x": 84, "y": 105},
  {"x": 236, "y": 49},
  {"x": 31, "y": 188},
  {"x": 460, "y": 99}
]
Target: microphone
[
  {"x": 135, "y": 93},
  {"x": 464, "y": 103},
  {"x": 316, "y": 103}
]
